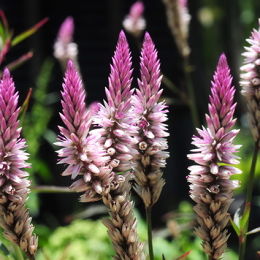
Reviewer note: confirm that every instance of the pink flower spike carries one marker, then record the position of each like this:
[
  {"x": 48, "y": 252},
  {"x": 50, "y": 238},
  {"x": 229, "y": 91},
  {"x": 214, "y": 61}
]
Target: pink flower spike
[
  {"x": 134, "y": 23},
  {"x": 210, "y": 186},
  {"x": 250, "y": 81},
  {"x": 115, "y": 117},
  {"x": 152, "y": 131},
  {"x": 64, "y": 47},
  {"x": 83, "y": 154},
  {"x": 14, "y": 216},
  {"x": 66, "y": 30}
]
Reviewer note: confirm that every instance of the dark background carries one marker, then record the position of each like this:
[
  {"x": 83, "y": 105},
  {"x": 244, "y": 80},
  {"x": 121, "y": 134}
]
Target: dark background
[{"x": 217, "y": 26}]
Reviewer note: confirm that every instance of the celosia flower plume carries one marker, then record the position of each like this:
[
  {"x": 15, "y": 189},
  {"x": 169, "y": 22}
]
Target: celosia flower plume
[
  {"x": 14, "y": 217},
  {"x": 116, "y": 128},
  {"x": 134, "y": 22},
  {"x": 250, "y": 81},
  {"x": 211, "y": 187},
  {"x": 114, "y": 117},
  {"x": 152, "y": 131},
  {"x": 64, "y": 47},
  {"x": 82, "y": 153}
]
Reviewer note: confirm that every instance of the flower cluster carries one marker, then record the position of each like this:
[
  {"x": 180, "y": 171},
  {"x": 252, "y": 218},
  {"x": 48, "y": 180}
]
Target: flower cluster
[
  {"x": 134, "y": 23},
  {"x": 83, "y": 153},
  {"x": 210, "y": 185},
  {"x": 14, "y": 217},
  {"x": 151, "y": 115},
  {"x": 114, "y": 117},
  {"x": 64, "y": 47},
  {"x": 250, "y": 80}
]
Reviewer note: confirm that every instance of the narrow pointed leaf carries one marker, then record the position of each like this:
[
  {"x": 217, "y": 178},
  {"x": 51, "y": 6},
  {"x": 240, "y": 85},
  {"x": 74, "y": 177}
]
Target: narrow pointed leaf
[
  {"x": 24, "y": 35},
  {"x": 235, "y": 227},
  {"x": 253, "y": 231},
  {"x": 183, "y": 256}
]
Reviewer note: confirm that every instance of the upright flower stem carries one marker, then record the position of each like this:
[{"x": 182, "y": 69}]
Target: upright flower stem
[
  {"x": 18, "y": 253},
  {"x": 191, "y": 94},
  {"x": 248, "y": 203},
  {"x": 148, "y": 212}
]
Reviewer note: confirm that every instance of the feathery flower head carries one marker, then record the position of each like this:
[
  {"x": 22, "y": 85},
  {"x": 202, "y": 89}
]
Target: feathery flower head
[
  {"x": 134, "y": 22},
  {"x": 250, "y": 80},
  {"x": 14, "y": 217},
  {"x": 114, "y": 118},
  {"x": 84, "y": 155},
  {"x": 151, "y": 115},
  {"x": 210, "y": 185},
  {"x": 64, "y": 47}
]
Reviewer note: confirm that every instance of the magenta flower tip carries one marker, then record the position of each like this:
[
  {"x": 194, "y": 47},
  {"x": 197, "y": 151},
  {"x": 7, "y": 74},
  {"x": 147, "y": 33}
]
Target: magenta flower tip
[
  {"x": 66, "y": 30},
  {"x": 137, "y": 9}
]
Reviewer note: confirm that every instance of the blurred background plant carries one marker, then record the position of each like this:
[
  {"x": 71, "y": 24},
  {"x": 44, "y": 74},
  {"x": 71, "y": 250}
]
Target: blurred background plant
[{"x": 215, "y": 26}]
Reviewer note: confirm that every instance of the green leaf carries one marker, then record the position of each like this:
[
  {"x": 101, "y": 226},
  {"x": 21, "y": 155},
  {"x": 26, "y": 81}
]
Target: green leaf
[
  {"x": 245, "y": 217},
  {"x": 235, "y": 227},
  {"x": 4, "y": 249},
  {"x": 24, "y": 35},
  {"x": 253, "y": 231}
]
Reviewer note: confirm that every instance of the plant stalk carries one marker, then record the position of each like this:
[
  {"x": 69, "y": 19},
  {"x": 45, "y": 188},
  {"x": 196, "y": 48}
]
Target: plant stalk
[
  {"x": 18, "y": 253},
  {"x": 248, "y": 202},
  {"x": 190, "y": 88},
  {"x": 148, "y": 211},
  {"x": 51, "y": 189}
]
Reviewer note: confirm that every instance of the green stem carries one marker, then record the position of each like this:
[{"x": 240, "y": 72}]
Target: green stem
[
  {"x": 51, "y": 189},
  {"x": 248, "y": 203},
  {"x": 190, "y": 88},
  {"x": 169, "y": 84},
  {"x": 18, "y": 253},
  {"x": 148, "y": 211}
]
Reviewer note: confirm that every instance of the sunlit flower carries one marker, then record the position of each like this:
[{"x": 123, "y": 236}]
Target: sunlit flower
[
  {"x": 250, "y": 80},
  {"x": 152, "y": 131},
  {"x": 211, "y": 187},
  {"x": 14, "y": 217}
]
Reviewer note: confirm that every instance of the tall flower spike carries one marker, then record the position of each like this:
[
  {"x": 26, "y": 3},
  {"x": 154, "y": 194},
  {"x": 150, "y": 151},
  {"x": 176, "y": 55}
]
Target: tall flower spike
[
  {"x": 178, "y": 20},
  {"x": 64, "y": 47},
  {"x": 250, "y": 80},
  {"x": 84, "y": 155},
  {"x": 134, "y": 23},
  {"x": 117, "y": 131},
  {"x": 14, "y": 217},
  {"x": 210, "y": 185},
  {"x": 115, "y": 118},
  {"x": 152, "y": 130}
]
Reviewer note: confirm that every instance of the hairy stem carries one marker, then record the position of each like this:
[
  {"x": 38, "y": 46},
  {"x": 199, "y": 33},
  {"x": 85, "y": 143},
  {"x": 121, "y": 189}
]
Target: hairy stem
[
  {"x": 51, "y": 189},
  {"x": 248, "y": 203},
  {"x": 148, "y": 211}
]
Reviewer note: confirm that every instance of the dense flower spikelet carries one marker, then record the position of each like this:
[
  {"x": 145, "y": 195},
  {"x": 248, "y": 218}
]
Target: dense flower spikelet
[
  {"x": 115, "y": 118},
  {"x": 250, "y": 80},
  {"x": 134, "y": 23},
  {"x": 64, "y": 47},
  {"x": 116, "y": 128},
  {"x": 14, "y": 217},
  {"x": 122, "y": 227},
  {"x": 210, "y": 186},
  {"x": 152, "y": 130},
  {"x": 82, "y": 152}
]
